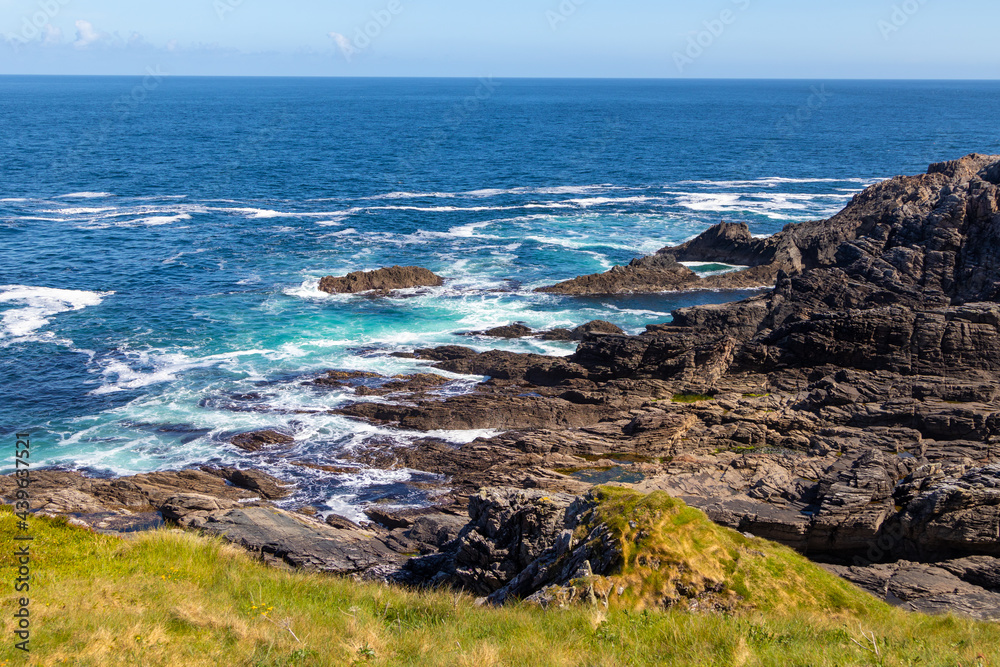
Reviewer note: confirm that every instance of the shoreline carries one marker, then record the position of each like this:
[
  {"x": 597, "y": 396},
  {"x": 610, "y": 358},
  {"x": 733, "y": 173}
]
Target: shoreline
[{"x": 847, "y": 411}]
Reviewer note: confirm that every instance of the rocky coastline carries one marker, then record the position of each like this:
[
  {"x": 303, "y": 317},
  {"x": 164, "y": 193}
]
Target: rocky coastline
[{"x": 849, "y": 411}]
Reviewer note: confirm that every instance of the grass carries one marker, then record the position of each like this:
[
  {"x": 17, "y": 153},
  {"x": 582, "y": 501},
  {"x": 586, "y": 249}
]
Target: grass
[
  {"x": 173, "y": 598},
  {"x": 691, "y": 398}
]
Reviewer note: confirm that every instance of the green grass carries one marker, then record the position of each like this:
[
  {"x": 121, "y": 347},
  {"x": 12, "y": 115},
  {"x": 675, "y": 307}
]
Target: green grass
[
  {"x": 174, "y": 598},
  {"x": 691, "y": 398}
]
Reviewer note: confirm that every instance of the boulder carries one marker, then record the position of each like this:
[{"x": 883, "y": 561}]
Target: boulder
[
  {"x": 381, "y": 280},
  {"x": 256, "y": 441}
]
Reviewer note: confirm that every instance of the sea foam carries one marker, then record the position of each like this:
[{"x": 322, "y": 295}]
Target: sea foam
[{"x": 34, "y": 308}]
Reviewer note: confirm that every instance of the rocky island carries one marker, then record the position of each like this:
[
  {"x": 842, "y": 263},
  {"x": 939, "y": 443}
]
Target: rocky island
[{"x": 848, "y": 412}]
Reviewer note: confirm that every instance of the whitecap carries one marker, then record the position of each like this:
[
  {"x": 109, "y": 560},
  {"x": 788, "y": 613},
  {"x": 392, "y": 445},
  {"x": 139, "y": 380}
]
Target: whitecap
[
  {"x": 603, "y": 201},
  {"x": 142, "y": 369},
  {"x": 468, "y": 231},
  {"x": 86, "y": 195},
  {"x": 775, "y": 181},
  {"x": 39, "y": 305},
  {"x": 79, "y": 210}
]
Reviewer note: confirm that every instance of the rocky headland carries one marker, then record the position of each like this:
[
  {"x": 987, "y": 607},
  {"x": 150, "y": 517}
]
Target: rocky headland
[{"x": 850, "y": 412}]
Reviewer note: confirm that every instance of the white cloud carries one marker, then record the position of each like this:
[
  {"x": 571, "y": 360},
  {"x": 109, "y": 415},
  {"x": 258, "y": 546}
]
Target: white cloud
[
  {"x": 86, "y": 34},
  {"x": 53, "y": 36},
  {"x": 341, "y": 41}
]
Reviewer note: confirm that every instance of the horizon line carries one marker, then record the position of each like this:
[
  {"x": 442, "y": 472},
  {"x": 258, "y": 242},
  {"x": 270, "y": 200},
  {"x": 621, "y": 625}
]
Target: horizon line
[{"x": 512, "y": 78}]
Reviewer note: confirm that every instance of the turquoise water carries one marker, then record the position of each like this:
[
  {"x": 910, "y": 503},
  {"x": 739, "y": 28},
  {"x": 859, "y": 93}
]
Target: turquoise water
[{"x": 160, "y": 261}]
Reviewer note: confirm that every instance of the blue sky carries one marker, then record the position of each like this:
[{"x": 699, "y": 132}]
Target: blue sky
[{"x": 513, "y": 38}]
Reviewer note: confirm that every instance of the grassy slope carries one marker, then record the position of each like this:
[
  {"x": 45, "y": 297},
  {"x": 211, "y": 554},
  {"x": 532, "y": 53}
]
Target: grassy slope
[{"x": 173, "y": 598}]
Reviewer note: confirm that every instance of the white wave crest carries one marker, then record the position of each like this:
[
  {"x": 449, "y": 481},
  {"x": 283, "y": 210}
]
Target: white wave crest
[
  {"x": 38, "y": 305},
  {"x": 86, "y": 195}
]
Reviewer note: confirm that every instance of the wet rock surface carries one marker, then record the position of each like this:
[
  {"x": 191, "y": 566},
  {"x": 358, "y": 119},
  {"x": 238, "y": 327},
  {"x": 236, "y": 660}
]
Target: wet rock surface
[{"x": 259, "y": 440}]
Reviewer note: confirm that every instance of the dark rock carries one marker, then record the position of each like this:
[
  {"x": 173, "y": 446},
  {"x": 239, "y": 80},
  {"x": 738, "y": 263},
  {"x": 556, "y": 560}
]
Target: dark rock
[
  {"x": 343, "y": 378},
  {"x": 479, "y": 411},
  {"x": 259, "y": 440},
  {"x": 535, "y": 368},
  {"x": 661, "y": 275},
  {"x": 254, "y": 480},
  {"x": 343, "y": 523},
  {"x": 594, "y": 328},
  {"x": 925, "y": 588},
  {"x": 508, "y": 331},
  {"x": 388, "y": 519},
  {"x": 381, "y": 280},
  {"x": 300, "y": 542},
  {"x": 446, "y": 353}
]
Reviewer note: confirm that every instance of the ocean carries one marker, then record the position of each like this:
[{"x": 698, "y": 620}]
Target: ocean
[{"x": 162, "y": 238}]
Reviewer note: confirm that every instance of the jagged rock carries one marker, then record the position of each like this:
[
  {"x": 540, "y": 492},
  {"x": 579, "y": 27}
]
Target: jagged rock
[
  {"x": 660, "y": 274},
  {"x": 853, "y": 412},
  {"x": 957, "y": 515},
  {"x": 596, "y": 327},
  {"x": 381, "y": 280},
  {"x": 343, "y": 523},
  {"x": 479, "y": 411},
  {"x": 343, "y": 378},
  {"x": 931, "y": 589},
  {"x": 509, "y": 529},
  {"x": 254, "y": 480},
  {"x": 388, "y": 519},
  {"x": 508, "y": 331},
  {"x": 535, "y": 368},
  {"x": 183, "y": 508},
  {"x": 259, "y": 440}
]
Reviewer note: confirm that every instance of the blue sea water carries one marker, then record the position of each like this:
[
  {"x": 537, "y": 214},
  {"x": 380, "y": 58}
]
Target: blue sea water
[{"x": 160, "y": 245}]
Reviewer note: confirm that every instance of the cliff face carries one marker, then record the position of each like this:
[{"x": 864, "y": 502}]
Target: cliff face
[{"x": 905, "y": 279}]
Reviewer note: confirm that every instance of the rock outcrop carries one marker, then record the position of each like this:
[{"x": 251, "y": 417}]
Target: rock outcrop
[
  {"x": 381, "y": 280},
  {"x": 808, "y": 245},
  {"x": 596, "y": 327},
  {"x": 256, "y": 441},
  {"x": 849, "y": 412}
]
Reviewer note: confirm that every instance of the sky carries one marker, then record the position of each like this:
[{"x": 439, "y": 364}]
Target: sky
[{"x": 814, "y": 39}]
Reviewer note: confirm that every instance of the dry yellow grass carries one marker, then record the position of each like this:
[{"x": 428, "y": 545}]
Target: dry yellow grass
[{"x": 174, "y": 598}]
